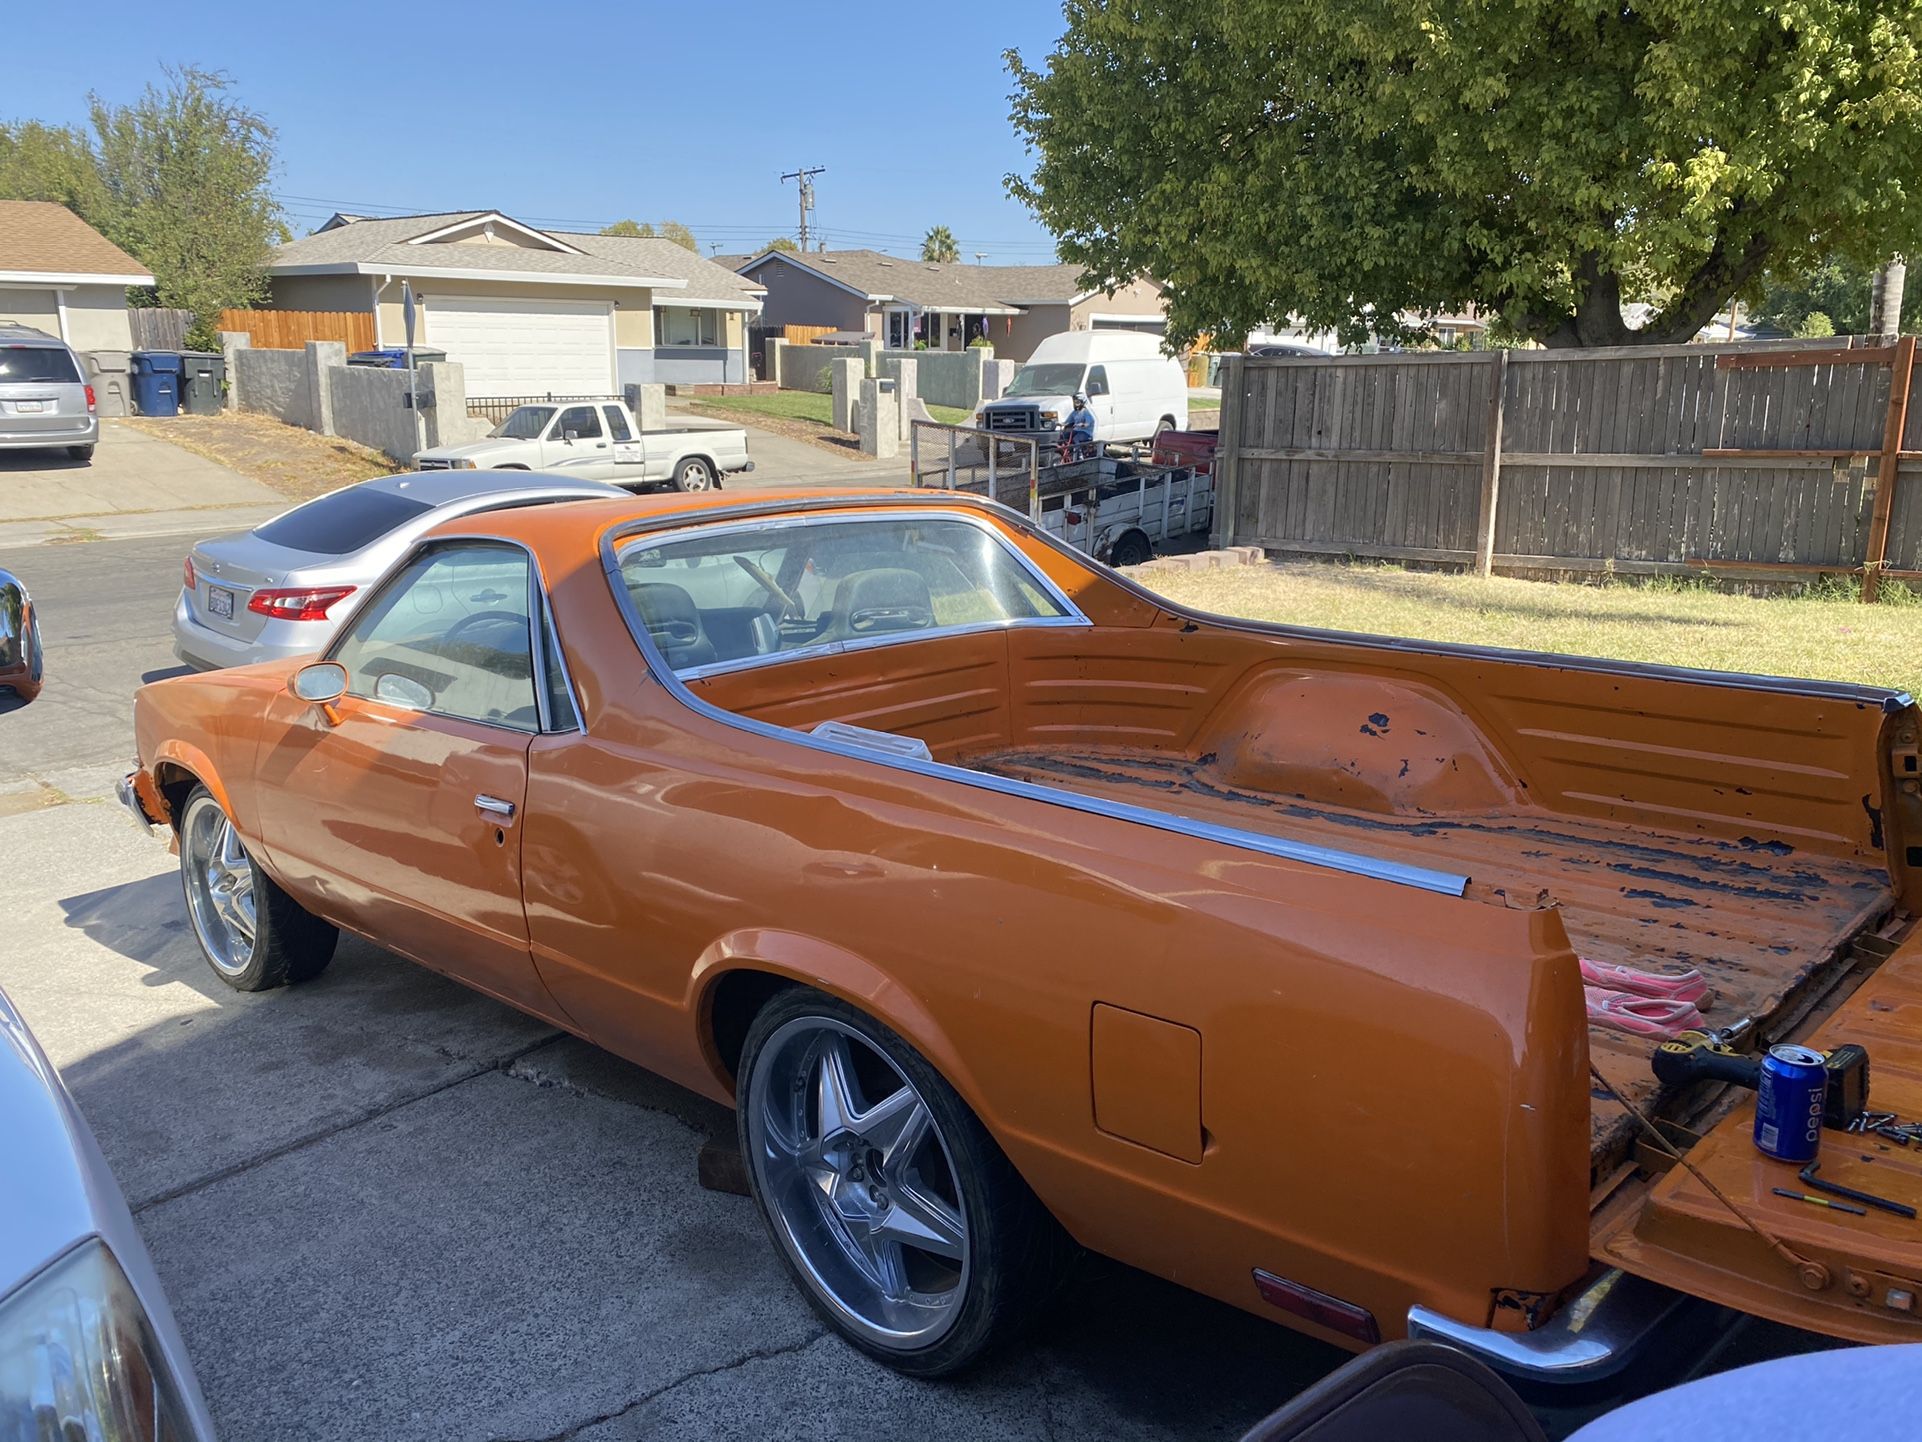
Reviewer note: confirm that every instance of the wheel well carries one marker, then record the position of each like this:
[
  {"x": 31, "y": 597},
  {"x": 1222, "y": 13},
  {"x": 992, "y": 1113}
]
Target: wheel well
[
  {"x": 176, "y": 783},
  {"x": 511, "y": 466},
  {"x": 1166, "y": 421},
  {"x": 737, "y": 999},
  {"x": 708, "y": 461}
]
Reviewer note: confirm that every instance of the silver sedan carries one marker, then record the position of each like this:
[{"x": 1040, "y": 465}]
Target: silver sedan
[{"x": 284, "y": 588}]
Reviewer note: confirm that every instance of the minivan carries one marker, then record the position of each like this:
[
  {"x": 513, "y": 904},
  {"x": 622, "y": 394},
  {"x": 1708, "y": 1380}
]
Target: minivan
[
  {"x": 45, "y": 401},
  {"x": 1134, "y": 389}
]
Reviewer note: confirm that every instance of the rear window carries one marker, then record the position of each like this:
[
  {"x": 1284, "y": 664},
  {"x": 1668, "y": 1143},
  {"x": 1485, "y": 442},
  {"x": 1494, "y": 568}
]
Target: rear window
[
  {"x": 342, "y": 522},
  {"x": 37, "y": 364}
]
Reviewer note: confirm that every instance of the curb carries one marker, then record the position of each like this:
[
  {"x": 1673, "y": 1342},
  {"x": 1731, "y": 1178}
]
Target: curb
[{"x": 1202, "y": 560}]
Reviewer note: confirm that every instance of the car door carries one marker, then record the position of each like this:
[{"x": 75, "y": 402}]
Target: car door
[
  {"x": 627, "y": 450},
  {"x": 576, "y": 444},
  {"x": 400, "y": 812}
]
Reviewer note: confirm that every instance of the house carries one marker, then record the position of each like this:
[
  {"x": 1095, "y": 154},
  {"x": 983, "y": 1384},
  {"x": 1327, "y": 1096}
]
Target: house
[
  {"x": 527, "y": 311},
  {"x": 943, "y": 304},
  {"x": 60, "y": 275}
]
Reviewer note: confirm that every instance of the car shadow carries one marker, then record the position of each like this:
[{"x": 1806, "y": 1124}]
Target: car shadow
[
  {"x": 11, "y": 700},
  {"x": 47, "y": 460}
]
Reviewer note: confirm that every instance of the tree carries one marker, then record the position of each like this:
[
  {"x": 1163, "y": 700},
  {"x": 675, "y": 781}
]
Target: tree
[
  {"x": 178, "y": 179},
  {"x": 646, "y": 230},
  {"x": 938, "y": 244},
  {"x": 780, "y": 242},
  {"x": 1344, "y": 161},
  {"x": 1838, "y": 292}
]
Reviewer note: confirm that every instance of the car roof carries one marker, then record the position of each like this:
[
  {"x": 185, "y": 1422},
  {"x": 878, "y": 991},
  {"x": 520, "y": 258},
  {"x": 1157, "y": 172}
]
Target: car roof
[
  {"x": 14, "y": 332},
  {"x": 441, "y": 488},
  {"x": 557, "y": 529}
]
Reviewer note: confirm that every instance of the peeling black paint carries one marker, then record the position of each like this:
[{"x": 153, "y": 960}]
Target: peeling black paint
[
  {"x": 1875, "y": 821},
  {"x": 1658, "y": 898}
]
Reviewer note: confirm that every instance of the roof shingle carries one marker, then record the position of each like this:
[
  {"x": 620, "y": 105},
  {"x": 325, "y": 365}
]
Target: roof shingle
[
  {"x": 946, "y": 285},
  {"x": 39, "y": 236}
]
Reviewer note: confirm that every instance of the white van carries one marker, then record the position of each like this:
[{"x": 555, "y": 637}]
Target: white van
[{"x": 1134, "y": 391}]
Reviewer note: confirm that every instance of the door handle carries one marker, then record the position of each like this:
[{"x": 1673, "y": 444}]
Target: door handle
[
  {"x": 600, "y": 445},
  {"x": 493, "y": 806}
]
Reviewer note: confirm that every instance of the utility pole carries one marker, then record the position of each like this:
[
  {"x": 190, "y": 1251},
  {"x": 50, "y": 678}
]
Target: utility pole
[
  {"x": 805, "y": 175},
  {"x": 979, "y": 256}
]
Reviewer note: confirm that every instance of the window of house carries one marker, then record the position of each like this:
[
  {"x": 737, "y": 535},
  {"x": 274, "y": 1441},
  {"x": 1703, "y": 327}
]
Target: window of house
[{"x": 686, "y": 325}]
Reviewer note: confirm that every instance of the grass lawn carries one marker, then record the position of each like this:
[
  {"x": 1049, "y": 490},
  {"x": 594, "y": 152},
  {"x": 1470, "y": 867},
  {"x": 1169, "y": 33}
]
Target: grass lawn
[
  {"x": 1822, "y": 634},
  {"x": 807, "y": 406}
]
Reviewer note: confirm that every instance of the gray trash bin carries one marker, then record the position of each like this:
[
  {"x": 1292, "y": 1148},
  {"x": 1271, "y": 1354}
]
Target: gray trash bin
[
  {"x": 202, "y": 382},
  {"x": 109, "y": 372}
]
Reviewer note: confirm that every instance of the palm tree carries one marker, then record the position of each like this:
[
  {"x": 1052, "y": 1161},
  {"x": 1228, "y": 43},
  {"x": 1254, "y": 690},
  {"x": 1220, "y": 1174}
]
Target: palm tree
[{"x": 939, "y": 245}]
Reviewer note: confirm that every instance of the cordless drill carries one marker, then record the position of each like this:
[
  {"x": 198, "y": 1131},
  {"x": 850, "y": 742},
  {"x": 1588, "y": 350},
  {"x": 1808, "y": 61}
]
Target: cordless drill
[{"x": 1708, "y": 1056}]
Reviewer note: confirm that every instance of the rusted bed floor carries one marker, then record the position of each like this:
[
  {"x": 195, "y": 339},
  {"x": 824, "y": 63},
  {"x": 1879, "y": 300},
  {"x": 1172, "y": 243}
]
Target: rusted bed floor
[{"x": 1763, "y": 923}]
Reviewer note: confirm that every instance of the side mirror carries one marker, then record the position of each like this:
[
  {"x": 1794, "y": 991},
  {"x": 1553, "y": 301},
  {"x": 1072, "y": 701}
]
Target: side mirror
[
  {"x": 570, "y": 436},
  {"x": 321, "y": 684}
]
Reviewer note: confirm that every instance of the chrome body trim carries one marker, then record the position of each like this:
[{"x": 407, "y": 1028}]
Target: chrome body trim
[
  {"x": 1353, "y": 863},
  {"x": 1593, "y": 1337}
]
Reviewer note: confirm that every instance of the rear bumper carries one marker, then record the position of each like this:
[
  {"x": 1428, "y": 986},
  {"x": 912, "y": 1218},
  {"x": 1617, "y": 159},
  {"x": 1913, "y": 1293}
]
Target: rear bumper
[
  {"x": 1594, "y": 1337},
  {"x": 206, "y": 649},
  {"x": 128, "y": 792},
  {"x": 87, "y": 434}
]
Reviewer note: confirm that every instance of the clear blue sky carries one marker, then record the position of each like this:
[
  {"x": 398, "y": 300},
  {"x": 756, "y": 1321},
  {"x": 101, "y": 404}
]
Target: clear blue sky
[{"x": 579, "y": 112}]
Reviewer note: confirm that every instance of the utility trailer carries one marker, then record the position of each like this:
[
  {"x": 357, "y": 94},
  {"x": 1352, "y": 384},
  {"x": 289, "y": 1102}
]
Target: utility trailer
[{"x": 1118, "y": 505}]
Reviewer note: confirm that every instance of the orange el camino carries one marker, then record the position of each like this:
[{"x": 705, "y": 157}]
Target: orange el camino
[{"x": 1016, "y": 908}]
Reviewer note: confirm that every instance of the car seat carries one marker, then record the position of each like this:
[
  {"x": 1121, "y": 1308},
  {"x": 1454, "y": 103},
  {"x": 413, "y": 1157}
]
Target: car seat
[
  {"x": 876, "y": 603},
  {"x": 674, "y": 621}
]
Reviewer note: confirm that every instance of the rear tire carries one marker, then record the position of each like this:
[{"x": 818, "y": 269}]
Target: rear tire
[
  {"x": 1131, "y": 550},
  {"x": 910, "y": 1161},
  {"x": 694, "y": 474},
  {"x": 254, "y": 935},
  {"x": 82, "y": 454}
]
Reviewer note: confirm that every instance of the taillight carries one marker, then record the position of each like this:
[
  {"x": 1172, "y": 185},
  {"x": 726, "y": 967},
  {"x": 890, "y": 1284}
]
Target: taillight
[
  {"x": 90, "y": 400},
  {"x": 302, "y": 604},
  {"x": 187, "y": 577}
]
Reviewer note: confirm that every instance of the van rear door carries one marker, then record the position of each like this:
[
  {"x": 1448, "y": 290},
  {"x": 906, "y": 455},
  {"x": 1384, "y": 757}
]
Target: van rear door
[{"x": 42, "y": 393}]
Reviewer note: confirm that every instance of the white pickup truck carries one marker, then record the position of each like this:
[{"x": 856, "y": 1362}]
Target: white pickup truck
[{"x": 602, "y": 441}]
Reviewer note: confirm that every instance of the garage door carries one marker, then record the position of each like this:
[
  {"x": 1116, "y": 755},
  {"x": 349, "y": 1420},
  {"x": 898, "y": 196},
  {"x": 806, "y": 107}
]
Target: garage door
[{"x": 526, "y": 347}]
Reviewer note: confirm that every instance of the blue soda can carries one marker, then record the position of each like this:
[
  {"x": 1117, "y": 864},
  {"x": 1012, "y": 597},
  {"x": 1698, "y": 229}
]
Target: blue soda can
[{"x": 1788, "y": 1103}]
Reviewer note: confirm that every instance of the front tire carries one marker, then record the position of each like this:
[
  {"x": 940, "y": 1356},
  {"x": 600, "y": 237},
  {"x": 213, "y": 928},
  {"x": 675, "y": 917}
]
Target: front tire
[
  {"x": 694, "y": 474},
  {"x": 901, "y": 1221},
  {"x": 253, "y": 934}
]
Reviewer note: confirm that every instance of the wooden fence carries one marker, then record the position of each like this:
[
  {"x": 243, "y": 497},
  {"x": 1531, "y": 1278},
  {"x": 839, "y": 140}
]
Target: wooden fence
[
  {"x": 158, "y": 327},
  {"x": 1752, "y": 461},
  {"x": 804, "y": 334},
  {"x": 292, "y": 329}
]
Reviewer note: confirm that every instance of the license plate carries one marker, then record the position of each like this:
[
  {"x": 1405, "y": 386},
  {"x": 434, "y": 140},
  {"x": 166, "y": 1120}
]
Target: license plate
[
  {"x": 220, "y": 601},
  {"x": 29, "y": 408}
]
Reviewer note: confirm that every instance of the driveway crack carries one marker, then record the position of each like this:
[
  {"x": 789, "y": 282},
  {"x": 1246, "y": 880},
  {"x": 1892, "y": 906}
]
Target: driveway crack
[
  {"x": 301, "y": 1143},
  {"x": 759, "y": 1354}
]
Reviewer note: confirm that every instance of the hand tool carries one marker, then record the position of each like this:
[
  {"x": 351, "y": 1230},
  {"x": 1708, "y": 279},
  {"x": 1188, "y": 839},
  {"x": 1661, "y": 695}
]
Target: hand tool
[
  {"x": 1818, "y": 1201},
  {"x": 1868, "y": 1199}
]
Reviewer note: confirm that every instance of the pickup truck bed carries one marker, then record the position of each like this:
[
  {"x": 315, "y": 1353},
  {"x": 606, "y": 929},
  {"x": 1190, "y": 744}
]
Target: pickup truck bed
[{"x": 1767, "y": 925}]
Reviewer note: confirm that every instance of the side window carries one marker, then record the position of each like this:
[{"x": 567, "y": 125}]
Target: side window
[
  {"x": 583, "y": 421},
  {"x": 450, "y": 635},
  {"x": 1098, "y": 381},
  {"x": 617, "y": 424},
  {"x": 561, "y": 715}
]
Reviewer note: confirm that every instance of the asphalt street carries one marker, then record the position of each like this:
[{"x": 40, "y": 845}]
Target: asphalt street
[{"x": 388, "y": 1207}]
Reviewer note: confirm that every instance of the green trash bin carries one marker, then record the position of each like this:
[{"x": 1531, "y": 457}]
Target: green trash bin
[{"x": 203, "y": 382}]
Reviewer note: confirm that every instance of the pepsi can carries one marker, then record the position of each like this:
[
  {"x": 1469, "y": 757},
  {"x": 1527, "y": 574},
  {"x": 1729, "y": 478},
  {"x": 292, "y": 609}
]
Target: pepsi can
[{"x": 1788, "y": 1103}]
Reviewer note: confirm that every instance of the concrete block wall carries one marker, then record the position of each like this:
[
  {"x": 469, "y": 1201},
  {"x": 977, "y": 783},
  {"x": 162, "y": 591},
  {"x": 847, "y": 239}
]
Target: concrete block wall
[
  {"x": 805, "y": 367},
  {"x": 947, "y": 378},
  {"x": 369, "y": 406},
  {"x": 274, "y": 383}
]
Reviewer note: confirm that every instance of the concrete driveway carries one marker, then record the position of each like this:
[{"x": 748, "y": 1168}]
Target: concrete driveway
[{"x": 136, "y": 485}]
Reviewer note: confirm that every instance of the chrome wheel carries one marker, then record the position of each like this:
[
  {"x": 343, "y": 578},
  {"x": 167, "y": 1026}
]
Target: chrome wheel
[
  {"x": 693, "y": 476},
  {"x": 219, "y": 877},
  {"x": 858, "y": 1182}
]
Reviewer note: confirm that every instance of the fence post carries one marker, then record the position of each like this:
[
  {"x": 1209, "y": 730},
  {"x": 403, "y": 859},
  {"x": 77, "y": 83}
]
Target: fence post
[
  {"x": 1900, "y": 370},
  {"x": 1491, "y": 465},
  {"x": 1226, "y": 464}
]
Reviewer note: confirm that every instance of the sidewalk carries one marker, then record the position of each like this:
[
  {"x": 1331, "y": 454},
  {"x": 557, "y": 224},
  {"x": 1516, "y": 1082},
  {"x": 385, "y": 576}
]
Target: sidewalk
[{"x": 138, "y": 485}]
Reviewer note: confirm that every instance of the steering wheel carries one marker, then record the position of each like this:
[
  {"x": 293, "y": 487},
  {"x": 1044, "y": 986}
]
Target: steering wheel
[
  {"x": 789, "y": 605},
  {"x": 481, "y": 618}
]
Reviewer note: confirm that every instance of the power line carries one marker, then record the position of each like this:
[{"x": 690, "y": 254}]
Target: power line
[{"x": 805, "y": 176}]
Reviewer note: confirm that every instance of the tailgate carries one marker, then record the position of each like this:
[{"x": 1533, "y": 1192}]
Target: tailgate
[{"x": 1676, "y": 1233}]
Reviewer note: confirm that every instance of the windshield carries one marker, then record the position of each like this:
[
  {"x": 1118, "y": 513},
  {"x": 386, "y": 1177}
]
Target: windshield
[
  {"x": 525, "y": 424},
  {"x": 1054, "y": 380}
]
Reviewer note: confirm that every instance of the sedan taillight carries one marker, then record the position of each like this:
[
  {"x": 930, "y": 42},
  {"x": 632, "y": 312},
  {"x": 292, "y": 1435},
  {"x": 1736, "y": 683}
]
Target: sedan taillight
[
  {"x": 308, "y": 603},
  {"x": 187, "y": 578}
]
